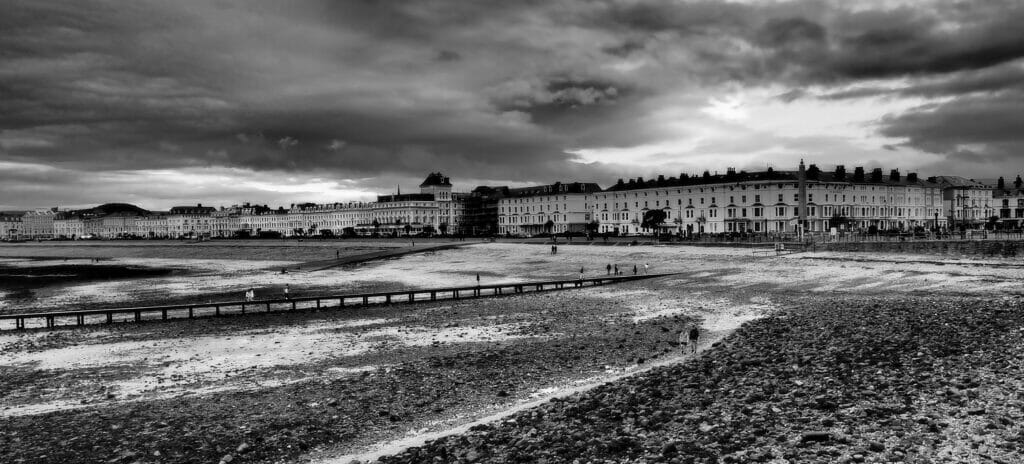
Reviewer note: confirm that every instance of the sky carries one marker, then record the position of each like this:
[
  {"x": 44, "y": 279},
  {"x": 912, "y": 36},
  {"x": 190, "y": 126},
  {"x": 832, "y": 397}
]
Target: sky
[{"x": 163, "y": 103}]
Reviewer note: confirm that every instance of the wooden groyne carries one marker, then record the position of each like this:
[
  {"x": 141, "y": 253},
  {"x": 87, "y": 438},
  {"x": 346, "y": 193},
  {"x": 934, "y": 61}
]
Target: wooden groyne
[{"x": 55, "y": 319}]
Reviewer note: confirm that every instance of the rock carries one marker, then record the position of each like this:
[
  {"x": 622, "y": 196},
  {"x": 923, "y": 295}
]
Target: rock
[
  {"x": 876, "y": 447},
  {"x": 227, "y": 459},
  {"x": 815, "y": 437},
  {"x": 242, "y": 448}
]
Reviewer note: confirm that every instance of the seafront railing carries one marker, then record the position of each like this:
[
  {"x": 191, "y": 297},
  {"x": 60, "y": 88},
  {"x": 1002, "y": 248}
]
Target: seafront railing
[{"x": 54, "y": 319}]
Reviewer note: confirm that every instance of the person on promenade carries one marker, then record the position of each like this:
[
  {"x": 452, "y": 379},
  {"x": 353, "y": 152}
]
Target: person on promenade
[
  {"x": 646, "y": 267},
  {"x": 694, "y": 336},
  {"x": 609, "y": 268},
  {"x": 617, "y": 269},
  {"x": 287, "y": 295},
  {"x": 634, "y": 269},
  {"x": 337, "y": 254},
  {"x": 581, "y": 273}
]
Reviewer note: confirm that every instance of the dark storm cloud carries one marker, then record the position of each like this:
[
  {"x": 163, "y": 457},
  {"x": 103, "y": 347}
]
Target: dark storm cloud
[
  {"x": 977, "y": 128},
  {"x": 490, "y": 89}
]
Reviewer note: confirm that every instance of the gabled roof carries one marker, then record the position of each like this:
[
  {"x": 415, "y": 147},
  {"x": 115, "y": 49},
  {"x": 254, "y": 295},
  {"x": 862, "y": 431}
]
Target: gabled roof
[
  {"x": 959, "y": 182},
  {"x": 436, "y": 179}
]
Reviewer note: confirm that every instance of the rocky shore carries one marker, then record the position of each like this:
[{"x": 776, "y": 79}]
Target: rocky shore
[
  {"x": 850, "y": 379},
  {"x": 399, "y": 382}
]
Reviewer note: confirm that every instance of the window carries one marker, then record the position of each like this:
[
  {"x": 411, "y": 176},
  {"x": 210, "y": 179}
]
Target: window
[{"x": 757, "y": 198}]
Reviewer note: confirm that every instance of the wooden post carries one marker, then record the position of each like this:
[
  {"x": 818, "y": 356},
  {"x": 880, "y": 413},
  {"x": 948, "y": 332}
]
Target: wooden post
[
  {"x": 387, "y": 299},
  {"x": 138, "y": 316},
  {"x": 81, "y": 319},
  {"x": 191, "y": 314},
  {"x": 293, "y": 305},
  {"x": 317, "y": 303},
  {"x": 366, "y": 300},
  {"x": 163, "y": 314},
  {"x": 216, "y": 310},
  {"x": 433, "y": 295},
  {"x": 412, "y": 297}
]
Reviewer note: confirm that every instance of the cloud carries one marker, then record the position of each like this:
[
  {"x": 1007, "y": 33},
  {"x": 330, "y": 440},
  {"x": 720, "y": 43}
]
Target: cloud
[
  {"x": 498, "y": 91},
  {"x": 448, "y": 55},
  {"x": 287, "y": 142},
  {"x": 971, "y": 132},
  {"x": 336, "y": 145}
]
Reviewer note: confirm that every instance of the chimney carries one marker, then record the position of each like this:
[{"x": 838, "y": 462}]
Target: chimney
[
  {"x": 912, "y": 177},
  {"x": 813, "y": 173},
  {"x": 858, "y": 174},
  {"x": 730, "y": 171},
  {"x": 876, "y": 175},
  {"x": 840, "y": 173},
  {"x": 894, "y": 175}
]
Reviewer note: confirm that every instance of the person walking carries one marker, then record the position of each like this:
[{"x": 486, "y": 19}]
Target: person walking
[
  {"x": 694, "y": 336},
  {"x": 609, "y": 268},
  {"x": 337, "y": 254},
  {"x": 646, "y": 267},
  {"x": 581, "y": 273},
  {"x": 634, "y": 269},
  {"x": 287, "y": 294},
  {"x": 617, "y": 269}
]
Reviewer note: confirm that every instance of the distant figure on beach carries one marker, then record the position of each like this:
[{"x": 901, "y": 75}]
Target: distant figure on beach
[
  {"x": 554, "y": 249},
  {"x": 617, "y": 269},
  {"x": 634, "y": 269},
  {"x": 694, "y": 336},
  {"x": 609, "y": 268},
  {"x": 287, "y": 296},
  {"x": 337, "y": 254},
  {"x": 646, "y": 266},
  {"x": 284, "y": 270},
  {"x": 581, "y": 272},
  {"x": 478, "y": 279},
  {"x": 248, "y": 295}
]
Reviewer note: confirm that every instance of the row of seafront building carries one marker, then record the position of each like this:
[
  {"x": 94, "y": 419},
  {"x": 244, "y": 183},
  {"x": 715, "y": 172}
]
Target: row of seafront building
[{"x": 807, "y": 200}]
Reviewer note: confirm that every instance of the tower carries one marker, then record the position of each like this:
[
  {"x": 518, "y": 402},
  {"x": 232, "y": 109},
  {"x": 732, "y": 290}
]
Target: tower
[
  {"x": 440, "y": 187},
  {"x": 802, "y": 214}
]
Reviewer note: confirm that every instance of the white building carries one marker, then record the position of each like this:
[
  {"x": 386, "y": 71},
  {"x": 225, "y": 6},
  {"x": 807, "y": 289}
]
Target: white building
[
  {"x": 967, "y": 203},
  {"x": 555, "y": 208}
]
